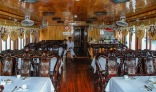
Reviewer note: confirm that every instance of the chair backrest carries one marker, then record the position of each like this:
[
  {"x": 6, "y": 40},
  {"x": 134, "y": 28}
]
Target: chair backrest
[
  {"x": 55, "y": 49},
  {"x": 101, "y": 65},
  {"x": 44, "y": 67},
  {"x": 25, "y": 67},
  {"x": 112, "y": 66},
  {"x": 58, "y": 64},
  {"x": 53, "y": 62},
  {"x": 8, "y": 65},
  {"x": 131, "y": 65},
  {"x": 102, "y": 62},
  {"x": 95, "y": 50},
  {"x": 55, "y": 76},
  {"x": 35, "y": 65},
  {"x": 149, "y": 66},
  {"x": 61, "y": 51}
]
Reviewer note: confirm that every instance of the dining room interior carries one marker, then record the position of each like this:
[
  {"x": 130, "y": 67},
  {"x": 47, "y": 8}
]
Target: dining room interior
[{"x": 77, "y": 45}]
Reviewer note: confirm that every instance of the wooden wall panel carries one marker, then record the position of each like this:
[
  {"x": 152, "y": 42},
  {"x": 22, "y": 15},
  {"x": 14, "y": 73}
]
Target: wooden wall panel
[
  {"x": 94, "y": 34},
  {"x": 54, "y": 33}
]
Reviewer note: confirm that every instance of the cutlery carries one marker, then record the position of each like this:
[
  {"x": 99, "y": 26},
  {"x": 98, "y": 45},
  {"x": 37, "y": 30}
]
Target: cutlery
[
  {"x": 14, "y": 89},
  {"x": 148, "y": 89},
  {"x": 18, "y": 88}
]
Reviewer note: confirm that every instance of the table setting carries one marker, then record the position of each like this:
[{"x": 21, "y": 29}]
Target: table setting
[
  {"x": 25, "y": 84},
  {"x": 132, "y": 84}
]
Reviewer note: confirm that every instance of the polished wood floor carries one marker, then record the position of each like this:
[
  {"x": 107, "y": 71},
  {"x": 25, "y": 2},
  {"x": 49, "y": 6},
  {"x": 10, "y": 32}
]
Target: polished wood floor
[{"x": 75, "y": 77}]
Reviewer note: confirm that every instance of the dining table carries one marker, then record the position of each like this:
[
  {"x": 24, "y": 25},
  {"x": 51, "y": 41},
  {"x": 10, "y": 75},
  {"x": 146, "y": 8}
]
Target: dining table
[
  {"x": 131, "y": 84},
  {"x": 33, "y": 84}
]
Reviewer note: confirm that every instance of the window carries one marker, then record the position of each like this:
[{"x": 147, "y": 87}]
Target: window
[
  {"x": 12, "y": 45},
  {"x": 31, "y": 39},
  {"x": 101, "y": 32},
  {"x": 8, "y": 42},
  {"x": 127, "y": 40},
  {"x": 148, "y": 43},
  {"x": 22, "y": 43},
  {"x": 144, "y": 41},
  {"x": 133, "y": 40},
  {"x": 4, "y": 45},
  {"x": 153, "y": 45},
  {"x": 19, "y": 43}
]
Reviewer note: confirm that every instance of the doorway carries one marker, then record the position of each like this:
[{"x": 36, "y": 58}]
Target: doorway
[{"x": 80, "y": 40}]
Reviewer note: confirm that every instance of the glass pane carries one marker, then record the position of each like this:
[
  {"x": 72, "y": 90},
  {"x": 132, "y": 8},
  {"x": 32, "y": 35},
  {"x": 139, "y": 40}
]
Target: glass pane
[
  {"x": 3, "y": 45},
  {"x": 153, "y": 45},
  {"x": 148, "y": 43},
  {"x": 133, "y": 40},
  {"x": 19, "y": 43},
  {"x": 127, "y": 40},
  {"x": 12, "y": 45},
  {"x": 31, "y": 39},
  {"x": 144, "y": 41},
  {"x": 22, "y": 43},
  {"x": 8, "y": 42}
]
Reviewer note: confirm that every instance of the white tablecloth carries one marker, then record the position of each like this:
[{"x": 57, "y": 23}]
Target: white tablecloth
[
  {"x": 119, "y": 84},
  {"x": 35, "y": 84}
]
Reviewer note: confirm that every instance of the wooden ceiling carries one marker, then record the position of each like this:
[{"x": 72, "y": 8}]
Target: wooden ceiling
[{"x": 83, "y": 9}]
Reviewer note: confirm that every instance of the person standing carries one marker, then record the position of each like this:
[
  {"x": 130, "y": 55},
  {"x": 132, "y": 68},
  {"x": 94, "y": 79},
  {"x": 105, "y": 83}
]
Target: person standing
[{"x": 70, "y": 47}]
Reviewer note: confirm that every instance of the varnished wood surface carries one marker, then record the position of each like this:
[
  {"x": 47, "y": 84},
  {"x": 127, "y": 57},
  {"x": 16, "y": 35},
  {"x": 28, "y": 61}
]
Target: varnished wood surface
[
  {"x": 75, "y": 77},
  {"x": 84, "y": 9}
]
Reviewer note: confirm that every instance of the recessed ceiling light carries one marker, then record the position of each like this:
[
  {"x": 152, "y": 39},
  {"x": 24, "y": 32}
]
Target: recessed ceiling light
[
  {"x": 75, "y": 16},
  {"x": 77, "y": 0}
]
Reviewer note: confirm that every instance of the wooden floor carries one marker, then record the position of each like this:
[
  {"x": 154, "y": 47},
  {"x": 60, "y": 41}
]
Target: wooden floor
[{"x": 75, "y": 77}]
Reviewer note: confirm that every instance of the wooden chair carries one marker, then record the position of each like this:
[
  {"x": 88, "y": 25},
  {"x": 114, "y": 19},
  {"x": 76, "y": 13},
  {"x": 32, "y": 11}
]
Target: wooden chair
[
  {"x": 8, "y": 66},
  {"x": 56, "y": 74},
  {"x": 95, "y": 50},
  {"x": 53, "y": 63},
  {"x": 101, "y": 72},
  {"x": 44, "y": 67},
  {"x": 112, "y": 66},
  {"x": 35, "y": 65},
  {"x": 131, "y": 66},
  {"x": 55, "y": 49},
  {"x": 25, "y": 67},
  {"x": 150, "y": 66}
]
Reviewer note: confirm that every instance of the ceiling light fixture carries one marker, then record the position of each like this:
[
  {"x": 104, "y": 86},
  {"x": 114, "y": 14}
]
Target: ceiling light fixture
[
  {"x": 27, "y": 21},
  {"x": 122, "y": 22}
]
